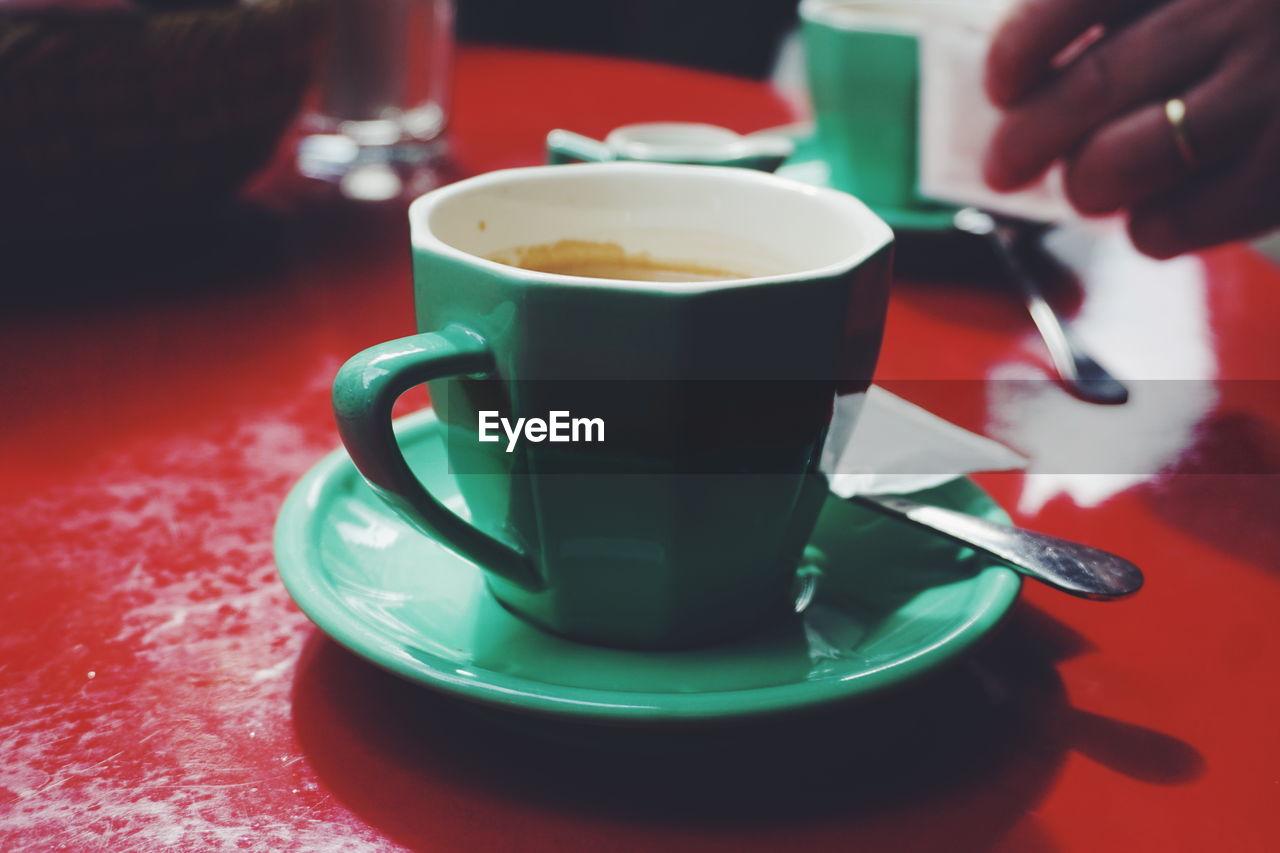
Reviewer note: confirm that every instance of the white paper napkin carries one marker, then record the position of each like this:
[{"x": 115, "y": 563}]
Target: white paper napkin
[
  {"x": 881, "y": 444},
  {"x": 957, "y": 121}
]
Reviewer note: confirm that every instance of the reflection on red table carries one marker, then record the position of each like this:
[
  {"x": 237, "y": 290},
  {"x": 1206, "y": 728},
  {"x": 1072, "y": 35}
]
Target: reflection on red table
[{"x": 161, "y": 691}]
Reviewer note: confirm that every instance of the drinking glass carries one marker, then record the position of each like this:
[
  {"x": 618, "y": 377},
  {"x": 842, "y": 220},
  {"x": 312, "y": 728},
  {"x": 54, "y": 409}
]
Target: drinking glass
[{"x": 383, "y": 97}]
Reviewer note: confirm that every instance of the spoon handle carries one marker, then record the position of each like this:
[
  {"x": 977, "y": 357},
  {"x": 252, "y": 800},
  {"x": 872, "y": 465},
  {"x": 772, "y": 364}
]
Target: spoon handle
[
  {"x": 565, "y": 146},
  {"x": 1069, "y": 566}
]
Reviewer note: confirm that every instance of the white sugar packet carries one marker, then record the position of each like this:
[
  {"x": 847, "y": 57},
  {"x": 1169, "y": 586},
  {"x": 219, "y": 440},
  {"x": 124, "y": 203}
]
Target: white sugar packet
[
  {"x": 881, "y": 444},
  {"x": 957, "y": 120}
]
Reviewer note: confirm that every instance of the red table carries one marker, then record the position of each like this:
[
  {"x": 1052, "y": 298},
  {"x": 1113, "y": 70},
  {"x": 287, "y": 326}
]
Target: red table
[{"x": 161, "y": 691}]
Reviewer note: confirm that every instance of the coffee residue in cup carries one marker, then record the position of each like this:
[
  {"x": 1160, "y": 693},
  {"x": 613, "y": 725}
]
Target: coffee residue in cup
[{"x": 591, "y": 259}]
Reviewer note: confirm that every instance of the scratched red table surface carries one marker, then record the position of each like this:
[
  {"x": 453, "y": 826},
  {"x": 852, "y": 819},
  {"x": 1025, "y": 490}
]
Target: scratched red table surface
[{"x": 160, "y": 691}]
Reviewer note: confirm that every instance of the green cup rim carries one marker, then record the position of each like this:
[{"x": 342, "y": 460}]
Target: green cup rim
[{"x": 860, "y": 218}]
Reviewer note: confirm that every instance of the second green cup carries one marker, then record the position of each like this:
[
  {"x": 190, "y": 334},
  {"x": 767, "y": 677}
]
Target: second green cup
[{"x": 863, "y": 63}]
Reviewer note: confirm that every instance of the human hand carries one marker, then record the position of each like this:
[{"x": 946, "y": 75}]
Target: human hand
[{"x": 1103, "y": 113}]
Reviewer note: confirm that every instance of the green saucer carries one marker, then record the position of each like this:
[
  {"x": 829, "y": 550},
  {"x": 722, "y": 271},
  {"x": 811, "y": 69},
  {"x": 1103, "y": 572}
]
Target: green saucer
[
  {"x": 884, "y": 605},
  {"x": 807, "y": 165}
]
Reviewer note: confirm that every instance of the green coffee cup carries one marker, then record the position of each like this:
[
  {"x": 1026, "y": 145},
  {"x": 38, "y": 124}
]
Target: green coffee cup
[
  {"x": 863, "y": 68},
  {"x": 686, "y": 522}
]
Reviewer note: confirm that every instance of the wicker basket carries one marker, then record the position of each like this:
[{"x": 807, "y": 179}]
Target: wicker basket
[{"x": 115, "y": 119}]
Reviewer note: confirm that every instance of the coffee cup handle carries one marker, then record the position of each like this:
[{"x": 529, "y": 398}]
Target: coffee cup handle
[{"x": 364, "y": 391}]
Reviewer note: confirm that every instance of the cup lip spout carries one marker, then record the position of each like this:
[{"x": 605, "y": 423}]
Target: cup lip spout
[{"x": 875, "y": 235}]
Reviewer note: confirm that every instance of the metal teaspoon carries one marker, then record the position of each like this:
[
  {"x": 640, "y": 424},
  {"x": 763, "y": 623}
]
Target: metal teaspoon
[
  {"x": 1080, "y": 374},
  {"x": 1069, "y": 566}
]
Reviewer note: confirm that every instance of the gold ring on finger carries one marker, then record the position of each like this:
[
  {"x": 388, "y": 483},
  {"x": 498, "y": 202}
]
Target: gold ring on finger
[{"x": 1175, "y": 110}]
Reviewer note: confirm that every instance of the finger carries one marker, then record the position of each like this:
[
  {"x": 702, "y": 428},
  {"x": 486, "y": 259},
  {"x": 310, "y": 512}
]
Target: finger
[
  {"x": 1136, "y": 156},
  {"x": 1147, "y": 61},
  {"x": 1233, "y": 204},
  {"x": 1035, "y": 32}
]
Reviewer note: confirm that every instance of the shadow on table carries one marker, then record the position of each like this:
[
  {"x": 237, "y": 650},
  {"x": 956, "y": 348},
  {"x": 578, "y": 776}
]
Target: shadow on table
[
  {"x": 964, "y": 755},
  {"x": 961, "y": 278},
  {"x": 1225, "y": 489}
]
